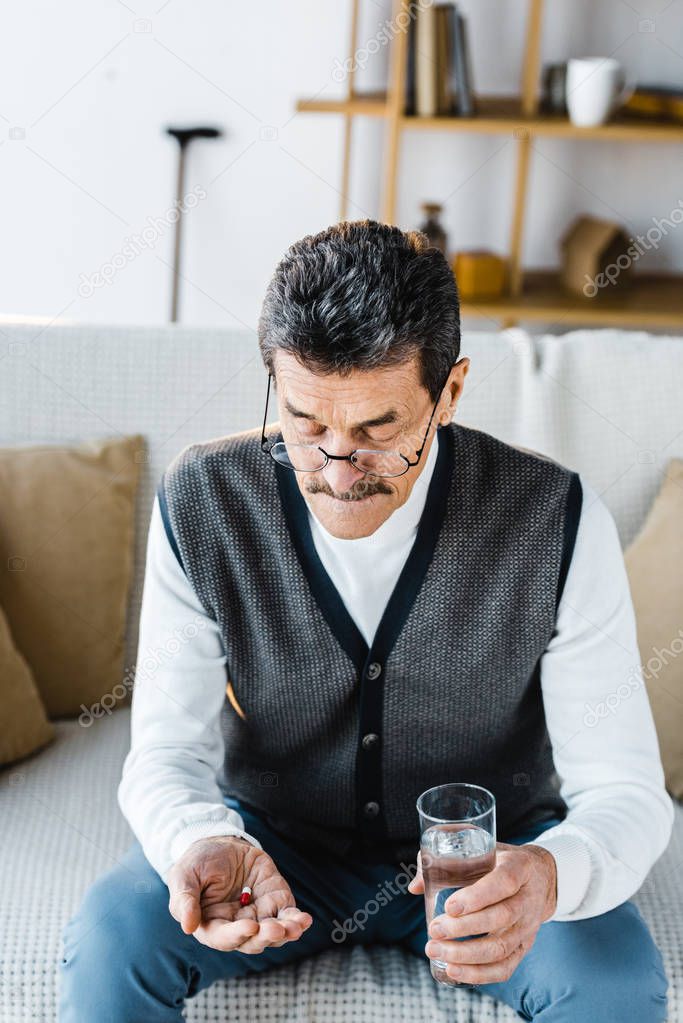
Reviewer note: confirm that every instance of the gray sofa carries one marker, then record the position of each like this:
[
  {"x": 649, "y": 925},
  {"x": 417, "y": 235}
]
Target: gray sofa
[{"x": 599, "y": 401}]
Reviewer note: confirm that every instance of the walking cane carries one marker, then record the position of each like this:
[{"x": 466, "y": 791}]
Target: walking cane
[{"x": 183, "y": 137}]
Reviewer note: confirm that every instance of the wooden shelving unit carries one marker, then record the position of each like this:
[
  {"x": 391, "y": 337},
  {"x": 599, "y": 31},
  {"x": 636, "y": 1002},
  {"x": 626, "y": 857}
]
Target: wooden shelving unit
[{"x": 655, "y": 300}]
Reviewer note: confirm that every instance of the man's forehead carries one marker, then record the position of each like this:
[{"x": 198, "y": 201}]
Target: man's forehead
[
  {"x": 360, "y": 400},
  {"x": 384, "y": 418},
  {"x": 378, "y": 389}
]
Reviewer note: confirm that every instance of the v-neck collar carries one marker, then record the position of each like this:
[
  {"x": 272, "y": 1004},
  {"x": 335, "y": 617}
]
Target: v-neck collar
[{"x": 409, "y": 581}]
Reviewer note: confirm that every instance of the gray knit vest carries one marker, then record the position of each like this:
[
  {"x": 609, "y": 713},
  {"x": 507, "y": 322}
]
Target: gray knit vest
[{"x": 331, "y": 741}]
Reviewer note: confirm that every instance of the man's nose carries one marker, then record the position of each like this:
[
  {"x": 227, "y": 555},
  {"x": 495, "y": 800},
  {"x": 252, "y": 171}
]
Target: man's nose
[{"x": 340, "y": 475}]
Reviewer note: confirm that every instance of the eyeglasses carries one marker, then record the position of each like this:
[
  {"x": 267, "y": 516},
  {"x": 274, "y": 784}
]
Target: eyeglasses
[{"x": 312, "y": 458}]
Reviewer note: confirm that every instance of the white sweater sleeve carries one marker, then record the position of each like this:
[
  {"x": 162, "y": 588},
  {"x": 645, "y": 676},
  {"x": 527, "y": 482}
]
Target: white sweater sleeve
[
  {"x": 602, "y": 732},
  {"x": 169, "y": 792}
]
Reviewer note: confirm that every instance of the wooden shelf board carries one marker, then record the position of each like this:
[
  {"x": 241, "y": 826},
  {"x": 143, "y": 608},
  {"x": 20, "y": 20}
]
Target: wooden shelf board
[
  {"x": 650, "y": 301},
  {"x": 502, "y": 115},
  {"x": 371, "y": 104}
]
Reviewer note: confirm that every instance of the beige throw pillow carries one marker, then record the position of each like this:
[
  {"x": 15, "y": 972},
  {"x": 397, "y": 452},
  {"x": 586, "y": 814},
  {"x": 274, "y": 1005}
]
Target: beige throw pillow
[
  {"x": 24, "y": 726},
  {"x": 67, "y": 518},
  {"x": 654, "y": 563}
]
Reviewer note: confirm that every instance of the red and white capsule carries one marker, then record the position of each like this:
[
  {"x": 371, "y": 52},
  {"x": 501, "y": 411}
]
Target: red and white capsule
[{"x": 245, "y": 897}]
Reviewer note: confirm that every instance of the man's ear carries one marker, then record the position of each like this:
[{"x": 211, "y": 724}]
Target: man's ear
[
  {"x": 464, "y": 365},
  {"x": 455, "y": 385}
]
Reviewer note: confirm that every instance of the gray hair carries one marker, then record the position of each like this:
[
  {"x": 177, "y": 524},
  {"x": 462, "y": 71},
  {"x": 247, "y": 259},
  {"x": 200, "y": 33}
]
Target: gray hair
[{"x": 360, "y": 295}]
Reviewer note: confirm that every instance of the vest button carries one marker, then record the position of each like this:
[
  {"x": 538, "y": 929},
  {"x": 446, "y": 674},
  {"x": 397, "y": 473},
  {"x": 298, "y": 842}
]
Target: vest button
[
  {"x": 370, "y": 740},
  {"x": 371, "y": 810},
  {"x": 374, "y": 670}
]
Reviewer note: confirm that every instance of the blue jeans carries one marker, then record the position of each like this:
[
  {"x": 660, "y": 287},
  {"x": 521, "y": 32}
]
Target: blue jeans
[{"x": 126, "y": 960}]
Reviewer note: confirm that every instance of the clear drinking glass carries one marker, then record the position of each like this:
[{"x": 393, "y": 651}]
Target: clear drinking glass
[{"x": 457, "y": 847}]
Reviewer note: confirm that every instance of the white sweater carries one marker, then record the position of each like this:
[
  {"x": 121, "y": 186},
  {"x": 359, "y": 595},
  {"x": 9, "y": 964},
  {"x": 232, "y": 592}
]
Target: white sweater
[{"x": 620, "y": 816}]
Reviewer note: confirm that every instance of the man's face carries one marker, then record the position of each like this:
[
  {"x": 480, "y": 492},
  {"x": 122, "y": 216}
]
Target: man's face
[{"x": 386, "y": 408}]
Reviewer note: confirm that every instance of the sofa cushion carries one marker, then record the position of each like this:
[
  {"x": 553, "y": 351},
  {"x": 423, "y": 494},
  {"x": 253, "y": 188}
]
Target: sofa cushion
[
  {"x": 66, "y": 546},
  {"x": 24, "y": 726},
  {"x": 654, "y": 562}
]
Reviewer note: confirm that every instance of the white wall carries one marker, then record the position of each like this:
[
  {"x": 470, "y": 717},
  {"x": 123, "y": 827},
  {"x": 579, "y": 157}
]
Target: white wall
[{"x": 86, "y": 87}]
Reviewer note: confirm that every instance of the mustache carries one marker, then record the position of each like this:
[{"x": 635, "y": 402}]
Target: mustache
[{"x": 357, "y": 492}]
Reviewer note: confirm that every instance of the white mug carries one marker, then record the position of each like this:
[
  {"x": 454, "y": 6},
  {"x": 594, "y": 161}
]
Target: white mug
[{"x": 596, "y": 86}]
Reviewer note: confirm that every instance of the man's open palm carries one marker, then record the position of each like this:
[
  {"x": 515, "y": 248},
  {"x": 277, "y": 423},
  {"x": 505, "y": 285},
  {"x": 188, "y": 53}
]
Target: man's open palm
[{"x": 205, "y": 887}]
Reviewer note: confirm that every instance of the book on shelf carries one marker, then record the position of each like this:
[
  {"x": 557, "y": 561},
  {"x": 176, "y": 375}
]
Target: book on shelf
[
  {"x": 425, "y": 61},
  {"x": 438, "y": 78},
  {"x": 443, "y": 40},
  {"x": 462, "y": 64},
  {"x": 410, "y": 96}
]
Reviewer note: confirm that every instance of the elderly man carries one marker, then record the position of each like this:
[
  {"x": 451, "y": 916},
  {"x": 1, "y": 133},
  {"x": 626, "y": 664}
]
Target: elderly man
[{"x": 373, "y": 599}]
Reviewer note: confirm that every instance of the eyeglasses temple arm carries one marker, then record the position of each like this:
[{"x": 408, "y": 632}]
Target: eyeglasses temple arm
[
  {"x": 421, "y": 449},
  {"x": 265, "y": 415}
]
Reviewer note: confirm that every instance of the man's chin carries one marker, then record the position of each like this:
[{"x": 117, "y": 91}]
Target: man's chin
[{"x": 348, "y": 520}]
